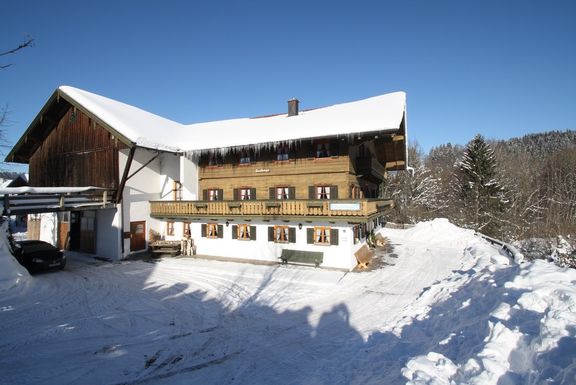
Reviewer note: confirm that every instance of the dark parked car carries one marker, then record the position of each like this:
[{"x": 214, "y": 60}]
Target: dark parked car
[{"x": 39, "y": 255}]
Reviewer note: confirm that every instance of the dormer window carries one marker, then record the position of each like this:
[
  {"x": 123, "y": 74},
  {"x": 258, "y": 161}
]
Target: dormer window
[
  {"x": 282, "y": 153},
  {"x": 245, "y": 157},
  {"x": 323, "y": 150}
]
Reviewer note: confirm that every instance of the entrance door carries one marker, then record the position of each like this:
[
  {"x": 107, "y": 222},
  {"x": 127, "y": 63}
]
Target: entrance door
[
  {"x": 137, "y": 235},
  {"x": 83, "y": 231}
]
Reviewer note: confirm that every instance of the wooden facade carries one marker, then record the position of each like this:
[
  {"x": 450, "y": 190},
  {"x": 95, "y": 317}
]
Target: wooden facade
[
  {"x": 354, "y": 174},
  {"x": 77, "y": 152}
]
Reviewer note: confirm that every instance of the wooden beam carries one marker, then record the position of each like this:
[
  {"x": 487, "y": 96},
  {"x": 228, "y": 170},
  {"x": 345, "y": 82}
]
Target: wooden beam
[{"x": 120, "y": 190}]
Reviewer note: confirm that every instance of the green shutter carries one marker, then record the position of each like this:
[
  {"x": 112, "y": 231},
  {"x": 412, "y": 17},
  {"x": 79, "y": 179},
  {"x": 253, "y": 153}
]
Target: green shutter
[
  {"x": 252, "y": 233},
  {"x": 203, "y": 230},
  {"x": 234, "y": 231},
  {"x": 205, "y": 194},
  {"x": 220, "y": 231},
  {"x": 334, "y": 236},
  {"x": 292, "y": 234},
  {"x": 333, "y": 192},
  {"x": 311, "y": 192},
  {"x": 253, "y": 193},
  {"x": 270, "y": 233},
  {"x": 272, "y": 193},
  {"x": 236, "y": 194},
  {"x": 310, "y": 236},
  {"x": 292, "y": 192},
  {"x": 220, "y": 194}
]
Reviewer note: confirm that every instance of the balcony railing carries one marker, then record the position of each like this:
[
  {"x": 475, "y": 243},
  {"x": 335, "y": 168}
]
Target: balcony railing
[{"x": 336, "y": 208}]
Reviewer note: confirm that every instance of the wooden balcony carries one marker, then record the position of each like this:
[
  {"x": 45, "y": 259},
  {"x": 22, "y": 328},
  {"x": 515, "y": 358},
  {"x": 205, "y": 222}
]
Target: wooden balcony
[
  {"x": 370, "y": 168},
  {"x": 336, "y": 209}
]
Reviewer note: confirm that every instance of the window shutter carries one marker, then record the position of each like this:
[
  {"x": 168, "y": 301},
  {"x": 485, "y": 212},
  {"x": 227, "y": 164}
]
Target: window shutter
[
  {"x": 253, "y": 193},
  {"x": 234, "y": 231},
  {"x": 236, "y": 194},
  {"x": 333, "y": 192},
  {"x": 220, "y": 194},
  {"x": 220, "y": 231},
  {"x": 270, "y": 233},
  {"x": 334, "y": 236},
  {"x": 252, "y": 233},
  {"x": 310, "y": 236},
  {"x": 204, "y": 230},
  {"x": 311, "y": 192},
  {"x": 292, "y": 192},
  {"x": 205, "y": 194},
  {"x": 292, "y": 234},
  {"x": 272, "y": 192}
]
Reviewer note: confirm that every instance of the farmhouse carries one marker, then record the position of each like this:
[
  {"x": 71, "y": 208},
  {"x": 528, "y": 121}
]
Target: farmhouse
[{"x": 302, "y": 185}]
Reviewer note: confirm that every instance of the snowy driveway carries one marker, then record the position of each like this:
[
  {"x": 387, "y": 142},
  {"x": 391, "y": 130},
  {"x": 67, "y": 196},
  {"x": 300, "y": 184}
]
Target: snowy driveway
[{"x": 188, "y": 321}]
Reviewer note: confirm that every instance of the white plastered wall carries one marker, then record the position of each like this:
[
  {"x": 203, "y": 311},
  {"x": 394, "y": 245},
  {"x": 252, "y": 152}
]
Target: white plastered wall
[
  {"x": 152, "y": 182},
  {"x": 108, "y": 233},
  {"x": 336, "y": 256}
]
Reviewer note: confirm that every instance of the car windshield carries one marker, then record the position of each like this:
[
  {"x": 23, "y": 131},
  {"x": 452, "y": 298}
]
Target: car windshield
[{"x": 32, "y": 246}]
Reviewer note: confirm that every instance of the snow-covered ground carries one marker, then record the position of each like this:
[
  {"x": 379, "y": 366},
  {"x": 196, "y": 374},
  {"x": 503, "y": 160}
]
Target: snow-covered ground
[{"x": 446, "y": 308}]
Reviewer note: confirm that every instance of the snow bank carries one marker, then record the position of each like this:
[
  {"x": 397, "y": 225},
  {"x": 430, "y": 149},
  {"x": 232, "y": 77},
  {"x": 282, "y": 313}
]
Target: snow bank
[
  {"x": 439, "y": 231},
  {"x": 12, "y": 274},
  {"x": 525, "y": 313}
]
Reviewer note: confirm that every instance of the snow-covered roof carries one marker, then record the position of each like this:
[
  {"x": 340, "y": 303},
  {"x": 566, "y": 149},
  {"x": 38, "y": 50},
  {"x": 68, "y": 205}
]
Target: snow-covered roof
[{"x": 142, "y": 128}]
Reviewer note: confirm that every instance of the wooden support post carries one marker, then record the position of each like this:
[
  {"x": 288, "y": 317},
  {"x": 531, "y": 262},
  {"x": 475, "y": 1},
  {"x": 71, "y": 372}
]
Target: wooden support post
[{"x": 120, "y": 190}]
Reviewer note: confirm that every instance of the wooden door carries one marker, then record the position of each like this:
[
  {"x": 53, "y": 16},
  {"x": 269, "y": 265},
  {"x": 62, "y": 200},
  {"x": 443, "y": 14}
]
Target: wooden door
[
  {"x": 137, "y": 235},
  {"x": 88, "y": 232}
]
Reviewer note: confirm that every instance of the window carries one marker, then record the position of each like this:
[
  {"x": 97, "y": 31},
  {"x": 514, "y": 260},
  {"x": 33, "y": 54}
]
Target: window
[
  {"x": 322, "y": 192},
  {"x": 281, "y": 234},
  {"x": 322, "y": 150},
  {"x": 246, "y": 194},
  {"x": 245, "y": 157},
  {"x": 169, "y": 228},
  {"x": 243, "y": 232},
  {"x": 283, "y": 193},
  {"x": 322, "y": 235},
  {"x": 214, "y": 195},
  {"x": 177, "y": 191},
  {"x": 355, "y": 193},
  {"x": 212, "y": 230},
  {"x": 282, "y": 153},
  {"x": 186, "y": 229}
]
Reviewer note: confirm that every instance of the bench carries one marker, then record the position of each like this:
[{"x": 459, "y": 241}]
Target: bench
[
  {"x": 299, "y": 256},
  {"x": 165, "y": 248}
]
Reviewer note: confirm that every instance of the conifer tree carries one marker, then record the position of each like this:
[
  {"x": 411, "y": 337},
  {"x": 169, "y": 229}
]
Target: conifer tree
[{"x": 482, "y": 198}]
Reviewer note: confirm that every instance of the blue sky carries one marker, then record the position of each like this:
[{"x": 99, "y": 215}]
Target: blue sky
[{"x": 499, "y": 68}]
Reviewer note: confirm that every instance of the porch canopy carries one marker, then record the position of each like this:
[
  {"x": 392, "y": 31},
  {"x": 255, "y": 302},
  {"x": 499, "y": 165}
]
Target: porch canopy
[{"x": 32, "y": 200}]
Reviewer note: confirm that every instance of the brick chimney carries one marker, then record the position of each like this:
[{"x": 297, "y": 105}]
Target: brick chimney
[{"x": 293, "y": 107}]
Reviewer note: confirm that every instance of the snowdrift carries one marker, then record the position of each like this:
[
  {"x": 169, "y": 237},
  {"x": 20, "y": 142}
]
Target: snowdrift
[{"x": 12, "y": 274}]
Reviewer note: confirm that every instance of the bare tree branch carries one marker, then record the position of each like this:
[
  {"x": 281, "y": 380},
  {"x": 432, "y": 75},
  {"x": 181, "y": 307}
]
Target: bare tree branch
[{"x": 27, "y": 43}]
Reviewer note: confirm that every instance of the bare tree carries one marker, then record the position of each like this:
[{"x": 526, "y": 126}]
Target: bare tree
[{"x": 28, "y": 43}]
